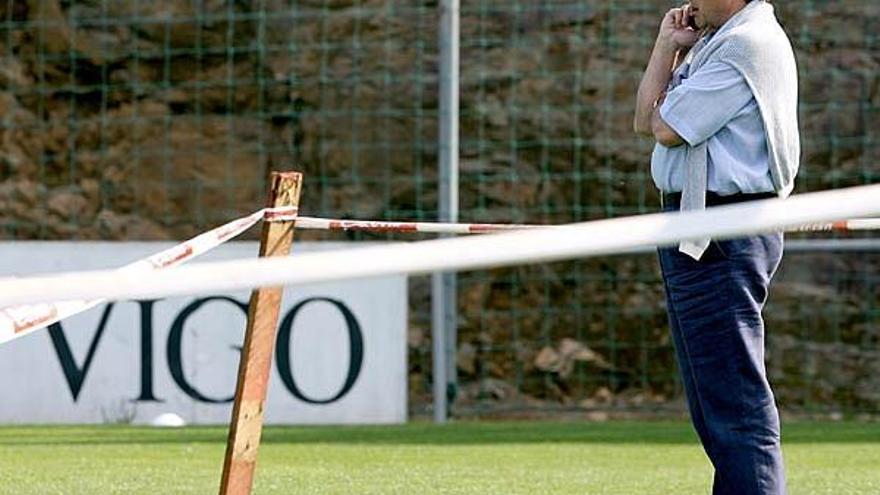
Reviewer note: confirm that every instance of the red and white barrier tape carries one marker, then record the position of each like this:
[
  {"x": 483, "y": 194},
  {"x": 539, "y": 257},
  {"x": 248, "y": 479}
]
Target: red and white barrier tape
[
  {"x": 334, "y": 224},
  {"x": 859, "y": 224},
  {"x": 577, "y": 241},
  {"x": 312, "y": 223},
  {"x": 16, "y": 321}
]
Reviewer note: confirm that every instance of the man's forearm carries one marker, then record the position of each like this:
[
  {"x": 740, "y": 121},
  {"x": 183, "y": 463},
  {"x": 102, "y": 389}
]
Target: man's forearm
[{"x": 663, "y": 60}]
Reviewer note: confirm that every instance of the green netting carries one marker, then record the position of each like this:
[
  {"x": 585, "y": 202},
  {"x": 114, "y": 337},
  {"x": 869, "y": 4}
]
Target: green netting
[{"x": 158, "y": 119}]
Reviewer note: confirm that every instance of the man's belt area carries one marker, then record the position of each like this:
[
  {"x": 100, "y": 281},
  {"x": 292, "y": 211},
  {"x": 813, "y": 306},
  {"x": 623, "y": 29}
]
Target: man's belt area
[{"x": 714, "y": 199}]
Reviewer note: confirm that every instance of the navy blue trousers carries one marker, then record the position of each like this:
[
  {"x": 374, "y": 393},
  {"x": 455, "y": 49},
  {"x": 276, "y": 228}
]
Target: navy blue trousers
[{"x": 714, "y": 308}]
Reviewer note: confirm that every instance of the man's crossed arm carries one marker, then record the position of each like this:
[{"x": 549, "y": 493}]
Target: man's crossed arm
[{"x": 673, "y": 41}]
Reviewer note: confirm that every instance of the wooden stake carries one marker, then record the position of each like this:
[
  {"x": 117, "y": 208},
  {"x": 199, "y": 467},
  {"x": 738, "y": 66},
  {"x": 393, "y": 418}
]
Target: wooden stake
[{"x": 259, "y": 342}]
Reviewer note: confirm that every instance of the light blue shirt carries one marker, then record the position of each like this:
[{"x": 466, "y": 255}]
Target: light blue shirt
[{"x": 715, "y": 104}]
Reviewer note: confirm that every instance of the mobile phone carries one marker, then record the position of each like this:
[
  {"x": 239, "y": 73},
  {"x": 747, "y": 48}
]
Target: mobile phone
[{"x": 692, "y": 22}]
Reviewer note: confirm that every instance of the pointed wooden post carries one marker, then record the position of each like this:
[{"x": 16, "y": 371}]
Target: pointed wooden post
[{"x": 246, "y": 425}]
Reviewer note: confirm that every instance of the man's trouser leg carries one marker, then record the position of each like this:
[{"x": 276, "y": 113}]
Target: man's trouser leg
[{"x": 715, "y": 318}]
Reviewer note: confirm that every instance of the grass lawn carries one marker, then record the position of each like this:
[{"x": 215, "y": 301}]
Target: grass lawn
[{"x": 465, "y": 458}]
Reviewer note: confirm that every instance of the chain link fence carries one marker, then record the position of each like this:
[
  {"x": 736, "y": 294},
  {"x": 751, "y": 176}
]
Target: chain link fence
[{"x": 148, "y": 120}]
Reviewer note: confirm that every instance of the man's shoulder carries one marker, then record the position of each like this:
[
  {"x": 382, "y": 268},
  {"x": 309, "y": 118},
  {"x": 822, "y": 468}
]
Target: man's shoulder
[
  {"x": 767, "y": 48},
  {"x": 756, "y": 36}
]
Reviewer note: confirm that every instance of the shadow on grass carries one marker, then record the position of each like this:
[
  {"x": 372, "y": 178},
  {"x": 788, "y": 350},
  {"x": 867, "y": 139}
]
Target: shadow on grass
[{"x": 471, "y": 433}]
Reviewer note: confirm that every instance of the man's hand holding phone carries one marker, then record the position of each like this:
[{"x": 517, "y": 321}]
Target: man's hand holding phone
[
  {"x": 677, "y": 35},
  {"x": 679, "y": 30}
]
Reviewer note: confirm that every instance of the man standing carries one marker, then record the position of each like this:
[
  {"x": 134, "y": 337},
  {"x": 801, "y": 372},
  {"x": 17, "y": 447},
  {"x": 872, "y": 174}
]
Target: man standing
[{"x": 719, "y": 96}]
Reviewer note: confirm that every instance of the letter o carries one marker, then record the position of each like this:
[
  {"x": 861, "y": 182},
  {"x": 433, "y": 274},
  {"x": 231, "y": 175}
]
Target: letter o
[
  {"x": 356, "y": 351},
  {"x": 174, "y": 349}
]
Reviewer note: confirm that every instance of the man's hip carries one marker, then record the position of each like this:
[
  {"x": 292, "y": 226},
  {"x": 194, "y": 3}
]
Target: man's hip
[{"x": 672, "y": 201}]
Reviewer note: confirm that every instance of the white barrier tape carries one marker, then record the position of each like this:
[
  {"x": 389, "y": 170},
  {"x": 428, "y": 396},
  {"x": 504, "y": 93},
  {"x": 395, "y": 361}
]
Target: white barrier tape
[
  {"x": 863, "y": 224},
  {"x": 377, "y": 226},
  {"x": 588, "y": 239},
  {"x": 16, "y": 321}
]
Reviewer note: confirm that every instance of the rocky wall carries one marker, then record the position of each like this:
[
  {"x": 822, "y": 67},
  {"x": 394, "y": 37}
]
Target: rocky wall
[{"x": 156, "y": 120}]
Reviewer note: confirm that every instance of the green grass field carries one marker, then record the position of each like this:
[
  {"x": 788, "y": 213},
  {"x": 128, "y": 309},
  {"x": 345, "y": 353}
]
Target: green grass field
[{"x": 466, "y": 458}]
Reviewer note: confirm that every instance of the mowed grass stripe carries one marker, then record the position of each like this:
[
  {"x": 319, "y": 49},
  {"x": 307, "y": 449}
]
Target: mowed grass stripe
[{"x": 420, "y": 458}]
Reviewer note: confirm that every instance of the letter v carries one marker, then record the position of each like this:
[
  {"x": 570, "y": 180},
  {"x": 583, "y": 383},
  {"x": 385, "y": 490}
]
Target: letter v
[{"x": 74, "y": 374}]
